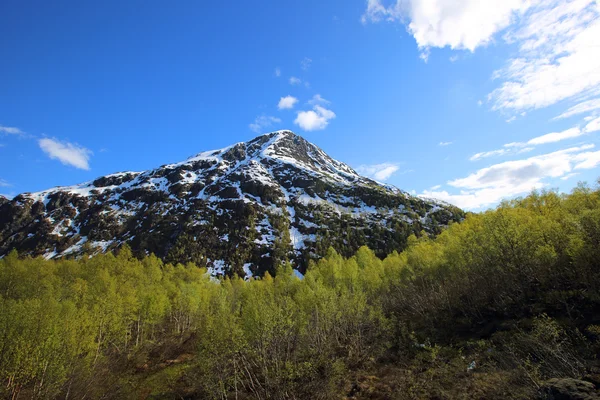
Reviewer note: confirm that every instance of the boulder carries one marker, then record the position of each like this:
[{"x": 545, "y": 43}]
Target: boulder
[{"x": 570, "y": 389}]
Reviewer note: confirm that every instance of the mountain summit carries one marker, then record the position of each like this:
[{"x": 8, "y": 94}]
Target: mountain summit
[{"x": 242, "y": 209}]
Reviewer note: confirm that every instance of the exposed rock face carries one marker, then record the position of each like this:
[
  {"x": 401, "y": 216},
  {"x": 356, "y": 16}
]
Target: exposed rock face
[
  {"x": 240, "y": 209},
  {"x": 570, "y": 389}
]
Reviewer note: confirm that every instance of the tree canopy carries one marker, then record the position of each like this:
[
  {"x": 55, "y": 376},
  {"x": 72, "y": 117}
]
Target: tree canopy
[{"x": 498, "y": 304}]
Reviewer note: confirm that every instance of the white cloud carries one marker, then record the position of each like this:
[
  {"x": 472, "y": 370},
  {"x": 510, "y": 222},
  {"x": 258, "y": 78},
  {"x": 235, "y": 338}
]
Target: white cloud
[
  {"x": 306, "y": 63},
  {"x": 556, "y": 42},
  {"x": 525, "y": 150},
  {"x": 445, "y": 143},
  {"x": 593, "y": 126},
  {"x": 67, "y": 153},
  {"x": 277, "y": 72},
  {"x": 376, "y": 12},
  {"x": 583, "y": 107},
  {"x": 528, "y": 146},
  {"x": 4, "y": 183},
  {"x": 378, "y": 172},
  {"x": 436, "y": 187},
  {"x": 262, "y": 122},
  {"x": 317, "y": 99},
  {"x": 557, "y": 56},
  {"x": 486, "y": 154},
  {"x": 569, "y": 176},
  {"x": 587, "y": 160},
  {"x": 287, "y": 102},
  {"x": 549, "y": 138},
  {"x": 295, "y": 81},
  {"x": 473, "y": 200},
  {"x": 9, "y": 130},
  {"x": 316, "y": 119},
  {"x": 489, "y": 185},
  {"x": 459, "y": 24},
  {"x": 556, "y": 136},
  {"x": 552, "y": 164}
]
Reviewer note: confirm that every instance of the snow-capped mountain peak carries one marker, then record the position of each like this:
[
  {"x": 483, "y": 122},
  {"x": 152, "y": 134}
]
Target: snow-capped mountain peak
[{"x": 243, "y": 208}]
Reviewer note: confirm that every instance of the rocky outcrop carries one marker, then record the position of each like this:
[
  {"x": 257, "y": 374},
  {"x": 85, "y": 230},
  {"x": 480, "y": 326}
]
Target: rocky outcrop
[{"x": 570, "y": 389}]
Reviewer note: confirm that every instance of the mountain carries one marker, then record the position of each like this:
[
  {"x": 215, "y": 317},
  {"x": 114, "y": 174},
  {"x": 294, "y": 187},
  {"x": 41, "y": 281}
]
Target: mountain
[{"x": 242, "y": 209}]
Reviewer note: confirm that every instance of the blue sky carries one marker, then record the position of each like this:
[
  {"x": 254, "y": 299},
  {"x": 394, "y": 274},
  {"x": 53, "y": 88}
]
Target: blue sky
[{"x": 462, "y": 100}]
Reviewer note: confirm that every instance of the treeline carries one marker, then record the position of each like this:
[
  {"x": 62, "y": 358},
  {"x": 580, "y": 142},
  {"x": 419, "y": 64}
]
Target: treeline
[{"x": 493, "y": 307}]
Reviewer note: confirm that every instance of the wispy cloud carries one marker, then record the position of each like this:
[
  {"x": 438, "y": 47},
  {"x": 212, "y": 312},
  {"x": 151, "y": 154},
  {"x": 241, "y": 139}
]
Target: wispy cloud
[
  {"x": 287, "y": 102},
  {"x": 306, "y": 63},
  {"x": 486, "y": 154},
  {"x": 525, "y": 150},
  {"x": 581, "y": 108},
  {"x": 378, "y": 172},
  {"x": 317, "y": 99},
  {"x": 4, "y": 183},
  {"x": 263, "y": 122},
  {"x": 556, "y": 42},
  {"x": 316, "y": 119},
  {"x": 489, "y": 185},
  {"x": 593, "y": 126},
  {"x": 445, "y": 143},
  {"x": 550, "y": 138},
  {"x": 295, "y": 81},
  {"x": 524, "y": 147},
  {"x": 555, "y": 60},
  {"x": 277, "y": 72},
  {"x": 569, "y": 176},
  {"x": 67, "y": 153},
  {"x": 10, "y": 130}
]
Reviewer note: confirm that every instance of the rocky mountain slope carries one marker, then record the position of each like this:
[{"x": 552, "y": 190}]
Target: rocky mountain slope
[{"x": 242, "y": 209}]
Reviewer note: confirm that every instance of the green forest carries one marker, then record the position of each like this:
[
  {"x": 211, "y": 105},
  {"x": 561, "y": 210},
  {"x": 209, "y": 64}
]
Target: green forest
[{"x": 500, "y": 305}]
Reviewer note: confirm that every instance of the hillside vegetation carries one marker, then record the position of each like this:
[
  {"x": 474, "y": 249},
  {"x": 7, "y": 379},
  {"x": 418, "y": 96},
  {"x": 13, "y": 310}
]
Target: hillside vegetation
[{"x": 494, "y": 307}]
